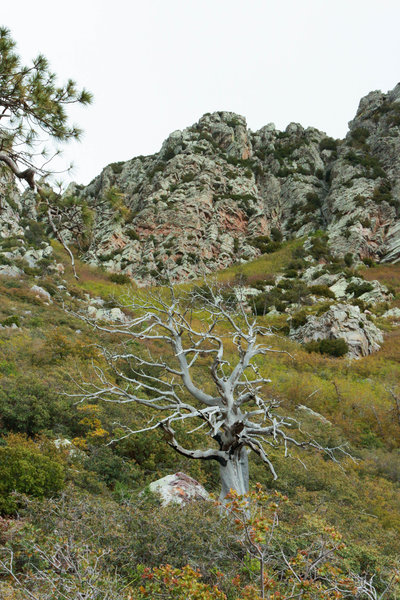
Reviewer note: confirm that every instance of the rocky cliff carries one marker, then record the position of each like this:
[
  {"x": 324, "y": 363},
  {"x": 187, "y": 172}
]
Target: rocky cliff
[{"x": 217, "y": 193}]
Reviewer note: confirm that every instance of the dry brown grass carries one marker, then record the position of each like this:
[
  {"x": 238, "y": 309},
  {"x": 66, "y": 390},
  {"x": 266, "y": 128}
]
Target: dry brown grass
[{"x": 387, "y": 274}]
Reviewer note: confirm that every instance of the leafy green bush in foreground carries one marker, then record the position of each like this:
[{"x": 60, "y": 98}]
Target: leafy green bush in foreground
[{"x": 24, "y": 469}]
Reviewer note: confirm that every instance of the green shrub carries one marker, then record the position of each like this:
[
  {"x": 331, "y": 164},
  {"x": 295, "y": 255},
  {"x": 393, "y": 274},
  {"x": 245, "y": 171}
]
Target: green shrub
[
  {"x": 12, "y": 320},
  {"x": 29, "y": 406},
  {"x": 10, "y": 242},
  {"x": 322, "y": 308},
  {"x": 132, "y": 234},
  {"x": 313, "y": 203},
  {"x": 285, "y": 284},
  {"x": 117, "y": 167},
  {"x": 158, "y": 168},
  {"x": 336, "y": 347},
  {"x": 109, "y": 467},
  {"x": 116, "y": 199},
  {"x": 321, "y": 290},
  {"x": 318, "y": 273},
  {"x": 188, "y": 177},
  {"x": 357, "y": 289},
  {"x": 291, "y": 273},
  {"x": 35, "y": 233},
  {"x": 264, "y": 302},
  {"x": 285, "y": 150},
  {"x": 259, "y": 284},
  {"x": 370, "y": 163},
  {"x": 360, "y": 303},
  {"x": 276, "y": 234},
  {"x": 392, "y": 110},
  {"x": 297, "y": 264},
  {"x": 368, "y": 261},
  {"x": 265, "y": 244},
  {"x": 328, "y": 143},
  {"x": 360, "y": 200},
  {"x": 299, "y": 252},
  {"x": 297, "y": 293},
  {"x": 383, "y": 193},
  {"x": 319, "y": 248},
  {"x": 193, "y": 257},
  {"x": 24, "y": 469},
  {"x": 298, "y": 319},
  {"x": 348, "y": 259},
  {"x": 109, "y": 256},
  {"x": 366, "y": 223},
  {"x": 120, "y": 278},
  {"x": 359, "y": 137}
]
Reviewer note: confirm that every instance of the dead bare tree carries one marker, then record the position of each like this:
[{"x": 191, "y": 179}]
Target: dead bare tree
[{"x": 231, "y": 408}]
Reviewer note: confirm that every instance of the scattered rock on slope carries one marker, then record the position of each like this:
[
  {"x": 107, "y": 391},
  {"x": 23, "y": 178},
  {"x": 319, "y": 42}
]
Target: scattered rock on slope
[
  {"x": 178, "y": 488},
  {"x": 342, "y": 321}
]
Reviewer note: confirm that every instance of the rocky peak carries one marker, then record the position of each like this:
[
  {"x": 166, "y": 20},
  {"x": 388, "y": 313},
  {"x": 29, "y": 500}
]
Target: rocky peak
[
  {"x": 216, "y": 191},
  {"x": 365, "y": 183}
]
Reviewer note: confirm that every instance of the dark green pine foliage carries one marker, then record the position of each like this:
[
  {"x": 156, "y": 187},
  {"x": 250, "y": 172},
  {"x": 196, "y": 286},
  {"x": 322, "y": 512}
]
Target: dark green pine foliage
[{"x": 32, "y": 111}]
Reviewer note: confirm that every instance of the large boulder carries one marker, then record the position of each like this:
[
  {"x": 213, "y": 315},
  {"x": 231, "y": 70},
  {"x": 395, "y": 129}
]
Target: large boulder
[
  {"x": 178, "y": 488},
  {"x": 342, "y": 321},
  {"x": 10, "y": 271},
  {"x": 113, "y": 315}
]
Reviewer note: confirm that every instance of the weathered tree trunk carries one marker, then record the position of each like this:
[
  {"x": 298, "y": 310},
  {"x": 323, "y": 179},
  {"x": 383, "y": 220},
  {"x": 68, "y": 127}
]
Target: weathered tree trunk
[{"x": 235, "y": 474}]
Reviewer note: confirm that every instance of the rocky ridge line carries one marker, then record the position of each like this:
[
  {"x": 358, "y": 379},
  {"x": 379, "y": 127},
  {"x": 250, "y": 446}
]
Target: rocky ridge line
[{"x": 217, "y": 193}]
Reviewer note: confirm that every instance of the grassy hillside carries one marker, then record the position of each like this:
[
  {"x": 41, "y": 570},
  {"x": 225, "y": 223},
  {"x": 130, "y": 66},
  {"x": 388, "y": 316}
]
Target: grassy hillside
[{"x": 49, "y": 350}]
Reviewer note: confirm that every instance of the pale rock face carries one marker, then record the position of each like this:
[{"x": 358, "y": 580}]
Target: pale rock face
[
  {"x": 392, "y": 313},
  {"x": 378, "y": 293},
  {"x": 65, "y": 444},
  {"x": 342, "y": 321},
  {"x": 178, "y": 488},
  {"x": 196, "y": 206},
  {"x": 339, "y": 288},
  {"x": 113, "y": 315},
  {"x": 10, "y": 208},
  {"x": 197, "y": 203},
  {"x": 365, "y": 182},
  {"x": 41, "y": 293},
  {"x": 10, "y": 271},
  {"x": 16, "y": 211},
  {"x": 31, "y": 257},
  {"x": 245, "y": 293}
]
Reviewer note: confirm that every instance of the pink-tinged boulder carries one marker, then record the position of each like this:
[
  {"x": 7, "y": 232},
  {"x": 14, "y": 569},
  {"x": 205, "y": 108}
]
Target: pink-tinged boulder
[{"x": 178, "y": 488}]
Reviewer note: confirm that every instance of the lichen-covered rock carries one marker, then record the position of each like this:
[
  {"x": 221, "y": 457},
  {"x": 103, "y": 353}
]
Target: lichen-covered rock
[
  {"x": 370, "y": 292},
  {"x": 343, "y": 321},
  {"x": 198, "y": 204},
  {"x": 178, "y": 488},
  {"x": 10, "y": 271},
  {"x": 41, "y": 293},
  {"x": 362, "y": 206},
  {"x": 392, "y": 313},
  {"x": 113, "y": 315},
  {"x": 214, "y": 189},
  {"x": 10, "y": 207}
]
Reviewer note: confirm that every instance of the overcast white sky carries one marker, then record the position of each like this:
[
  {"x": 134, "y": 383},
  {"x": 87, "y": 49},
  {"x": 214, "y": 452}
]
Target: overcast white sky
[{"x": 155, "y": 66}]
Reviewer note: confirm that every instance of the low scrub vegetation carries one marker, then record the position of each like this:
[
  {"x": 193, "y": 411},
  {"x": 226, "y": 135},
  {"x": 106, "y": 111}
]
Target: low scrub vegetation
[{"x": 86, "y": 502}]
